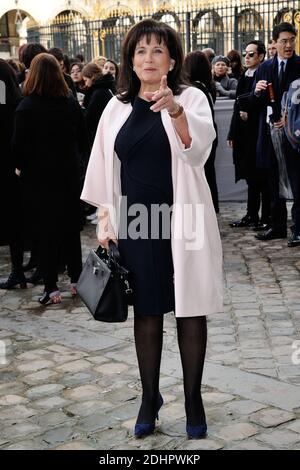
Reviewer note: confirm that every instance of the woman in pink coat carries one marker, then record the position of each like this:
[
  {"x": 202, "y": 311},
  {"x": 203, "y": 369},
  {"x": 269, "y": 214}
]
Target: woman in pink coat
[{"x": 149, "y": 152}]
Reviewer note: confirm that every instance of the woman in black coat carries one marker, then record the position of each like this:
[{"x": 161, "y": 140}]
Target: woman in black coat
[
  {"x": 198, "y": 71},
  {"x": 49, "y": 129},
  {"x": 99, "y": 90},
  {"x": 11, "y": 207}
]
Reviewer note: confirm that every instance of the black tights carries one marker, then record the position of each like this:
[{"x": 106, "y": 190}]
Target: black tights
[
  {"x": 192, "y": 334},
  {"x": 148, "y": 334},
  {"x": 16, "y": 255}
]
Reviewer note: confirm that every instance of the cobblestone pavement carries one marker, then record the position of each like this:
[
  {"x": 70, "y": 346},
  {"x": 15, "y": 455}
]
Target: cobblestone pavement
[{"x": 72, "y": 383}]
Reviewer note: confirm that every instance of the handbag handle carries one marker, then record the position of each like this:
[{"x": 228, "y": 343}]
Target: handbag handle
[{"x": 113, "y": 252}]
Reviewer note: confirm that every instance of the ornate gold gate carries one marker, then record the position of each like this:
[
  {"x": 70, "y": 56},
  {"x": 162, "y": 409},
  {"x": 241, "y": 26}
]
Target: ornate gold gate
[{"x": 294, "y": 18}]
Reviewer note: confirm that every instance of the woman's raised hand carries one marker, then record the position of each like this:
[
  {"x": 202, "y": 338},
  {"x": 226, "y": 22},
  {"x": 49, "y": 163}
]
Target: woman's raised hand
[{"x": 164, "y": 97}]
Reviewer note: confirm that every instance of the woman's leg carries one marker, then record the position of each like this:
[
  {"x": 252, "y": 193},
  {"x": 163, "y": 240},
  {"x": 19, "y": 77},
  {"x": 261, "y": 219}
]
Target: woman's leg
[
  {"x": 16, "y": 276},
  {"x": 16, "y": 253},
  {"x": 73, "y": 256},
  {"x": 192, "y": 337},
  {"x": 48, "y": 256},
  {"x": 148, "y": 334}
]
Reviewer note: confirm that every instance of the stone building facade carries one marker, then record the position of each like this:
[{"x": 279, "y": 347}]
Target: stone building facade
[{"x": 98, "y": 26}]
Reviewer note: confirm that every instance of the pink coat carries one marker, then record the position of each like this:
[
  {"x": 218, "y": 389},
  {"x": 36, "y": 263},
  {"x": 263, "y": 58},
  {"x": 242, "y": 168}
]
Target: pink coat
[{"x": 197, "y": 258}]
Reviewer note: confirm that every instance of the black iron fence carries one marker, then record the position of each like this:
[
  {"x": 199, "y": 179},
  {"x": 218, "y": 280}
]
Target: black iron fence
[{"x": 221, "y": 26}]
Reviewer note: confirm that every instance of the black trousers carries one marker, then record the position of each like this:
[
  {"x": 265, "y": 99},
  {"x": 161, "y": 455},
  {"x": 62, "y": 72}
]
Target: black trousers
[
  {"x": 16, "y": 247},
  {"x": 278, "y": 204},
  {"x": 258, "y": 195},
  {"x": 50, "y": 248}
]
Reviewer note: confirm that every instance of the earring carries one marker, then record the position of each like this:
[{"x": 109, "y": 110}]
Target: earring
[{"x": 171, "y": 68}]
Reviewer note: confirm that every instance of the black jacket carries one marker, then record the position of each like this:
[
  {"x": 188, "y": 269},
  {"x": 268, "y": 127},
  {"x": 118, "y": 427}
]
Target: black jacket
[
  {"x": 244, "y": 133},
  {"x": 47, "y": 141},
  {"x": 10, "y": 194},
  {"x": 95, "y": 101}
]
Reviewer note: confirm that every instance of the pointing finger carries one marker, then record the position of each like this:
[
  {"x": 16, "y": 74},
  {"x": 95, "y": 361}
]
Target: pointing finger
[{"x": 163, "y": 82}]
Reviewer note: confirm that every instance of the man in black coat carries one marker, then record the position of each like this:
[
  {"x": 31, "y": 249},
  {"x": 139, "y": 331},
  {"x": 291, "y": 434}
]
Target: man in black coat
[
  {"x": 280, "y": 71},
  {"x": 242, "y": 137}
]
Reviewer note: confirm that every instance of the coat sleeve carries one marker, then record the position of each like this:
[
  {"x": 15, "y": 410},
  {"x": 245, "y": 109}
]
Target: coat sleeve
[
  {"x": 95, "y": 187},
  {"x": 259, "y": 102},
  {"x": 21, "y": 139},
  {"x": 235, "y": 115},
  {"x": 201, "y": 128}
]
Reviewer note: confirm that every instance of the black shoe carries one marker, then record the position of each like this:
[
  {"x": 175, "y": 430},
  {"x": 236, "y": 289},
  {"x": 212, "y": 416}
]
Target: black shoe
[
  {"x": 36, "y": 278},
  {"x": 246, "y": 221},
  {"x": 30, "y": 265},
  {"x": 294, "y": 240},
  {"x": 271, "y": 234},
  {"x": 52, "y": 297},
  {"x": 260, "y": 227},
  {"x": 13, "y": 280}
]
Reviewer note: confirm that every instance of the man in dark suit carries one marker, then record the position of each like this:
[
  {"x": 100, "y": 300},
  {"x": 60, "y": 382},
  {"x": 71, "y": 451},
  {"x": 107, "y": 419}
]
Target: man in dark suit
[{"x": 280, "y": 72}]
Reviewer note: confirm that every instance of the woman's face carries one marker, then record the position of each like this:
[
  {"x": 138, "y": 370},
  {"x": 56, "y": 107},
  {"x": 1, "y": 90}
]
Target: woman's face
[
  {"x": 151, "y": 61},
  {"x": 76, "y": 74},
  {"x": 220, "y": 69},
  {"x": 109, "y": 67},
  {"x": 88, "y": 82}
]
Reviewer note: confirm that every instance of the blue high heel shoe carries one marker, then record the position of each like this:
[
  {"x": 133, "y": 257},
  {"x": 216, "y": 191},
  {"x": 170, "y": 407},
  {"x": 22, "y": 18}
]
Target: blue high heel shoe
[
  {"x": 145, "y": 429},
  {"x": 197, "y": 431}
]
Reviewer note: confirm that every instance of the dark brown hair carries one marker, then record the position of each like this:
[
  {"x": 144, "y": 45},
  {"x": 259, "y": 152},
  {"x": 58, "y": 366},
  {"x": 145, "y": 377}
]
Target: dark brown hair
[
  {"x": 30, "y": 52},
  {"x": 12, "y": 90},
  {"x": 198, "y": 69},
  {"x": 116, "y": 67},
  {"x": 16, "y": 65},
  {"x": 92, "y": 70},
  {"x": 57, "y": 53},
  {"x": 129, "y": 84},
  {"x": 236, "y": 62},
  {"x": 45, "y": 78}
]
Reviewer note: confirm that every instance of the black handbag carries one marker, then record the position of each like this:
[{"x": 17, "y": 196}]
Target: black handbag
[
  {"x": 244, "y": 102},
  {"x": 104, "y": 287}
]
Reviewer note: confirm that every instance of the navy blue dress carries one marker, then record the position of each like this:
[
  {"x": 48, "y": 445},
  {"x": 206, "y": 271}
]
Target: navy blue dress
[{"x": 144, "y": 151}]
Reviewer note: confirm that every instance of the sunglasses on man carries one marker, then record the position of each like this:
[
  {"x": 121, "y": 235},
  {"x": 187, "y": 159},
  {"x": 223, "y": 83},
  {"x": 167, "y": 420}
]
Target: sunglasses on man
[{"x": 249, "y": 54}]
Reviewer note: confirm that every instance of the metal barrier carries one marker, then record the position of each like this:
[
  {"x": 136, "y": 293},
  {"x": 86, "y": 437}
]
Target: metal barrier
[{"x": 221, "y": 26}]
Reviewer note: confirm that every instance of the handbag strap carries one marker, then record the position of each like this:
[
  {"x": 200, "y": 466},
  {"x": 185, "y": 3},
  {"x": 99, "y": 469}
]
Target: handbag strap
[{"x": 113, "y": 252}]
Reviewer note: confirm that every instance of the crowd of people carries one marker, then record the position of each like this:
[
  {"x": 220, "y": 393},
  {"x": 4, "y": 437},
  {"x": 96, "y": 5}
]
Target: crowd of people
[
  {"x": 48, "y": 123},
  {"x": 258, "y": 119}
]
